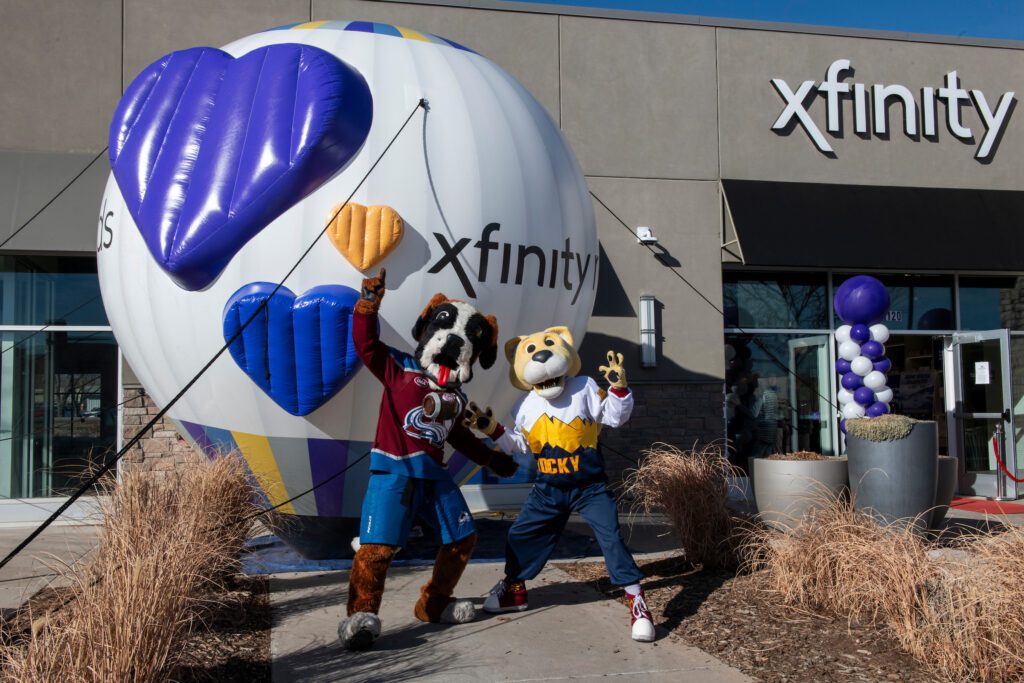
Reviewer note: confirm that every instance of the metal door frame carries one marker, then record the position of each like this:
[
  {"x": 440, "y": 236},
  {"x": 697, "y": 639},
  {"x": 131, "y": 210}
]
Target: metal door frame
[{"x": 997, "y": 485}]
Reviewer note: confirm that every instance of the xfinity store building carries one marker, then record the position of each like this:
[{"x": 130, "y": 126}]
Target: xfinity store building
[{"x": 768, "y": 163}]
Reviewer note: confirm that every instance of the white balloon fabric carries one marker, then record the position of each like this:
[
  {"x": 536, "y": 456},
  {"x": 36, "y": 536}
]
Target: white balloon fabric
[
  {"x": 884, "y": 395},
  {"x": 845, "y": 396},
  {"x": 879, "y": 333},
  {"x": 843, "y": 334},
  {"x": 852, "y": 411},
  {"x": 496, "y": 212},
  {"x": 861, "y": 365},
  {"x": 848, "y": 350},
  {"x": 874, "y": 380}
]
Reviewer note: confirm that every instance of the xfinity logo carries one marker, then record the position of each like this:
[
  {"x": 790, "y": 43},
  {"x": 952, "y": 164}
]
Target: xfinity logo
[
  {"x": 919, "y": 118},
  {"x": 566, "y": 268}
]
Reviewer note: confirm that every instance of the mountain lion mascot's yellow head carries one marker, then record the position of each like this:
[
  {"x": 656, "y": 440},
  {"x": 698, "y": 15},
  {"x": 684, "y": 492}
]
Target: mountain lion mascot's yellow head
[{"x": 542, "y": 361}]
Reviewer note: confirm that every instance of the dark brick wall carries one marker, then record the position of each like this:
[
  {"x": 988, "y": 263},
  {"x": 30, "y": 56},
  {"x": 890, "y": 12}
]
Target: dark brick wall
[{"x": 676, "y": 414}]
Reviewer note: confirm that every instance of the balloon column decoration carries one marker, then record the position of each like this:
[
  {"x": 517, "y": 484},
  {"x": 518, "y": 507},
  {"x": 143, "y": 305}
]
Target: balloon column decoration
[{"x": 861, "y": 303}]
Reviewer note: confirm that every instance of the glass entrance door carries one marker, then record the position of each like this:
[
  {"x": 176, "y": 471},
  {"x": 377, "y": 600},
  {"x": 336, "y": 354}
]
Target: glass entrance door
[
  {"x": 810, "y": 395},
  {"x": 982, "y": 414}
]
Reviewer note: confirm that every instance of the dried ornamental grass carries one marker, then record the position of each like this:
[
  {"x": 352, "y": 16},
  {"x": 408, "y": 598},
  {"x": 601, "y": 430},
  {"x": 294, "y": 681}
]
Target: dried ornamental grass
[
  {"x": 960, "y": 610},
  {"x": 163, "y": 544},
  {"x": 691, "y": 487},
  {"x": 799, "y": 455},
  {"x": 972, "y": 624},
  {"x": 839, "y": 560},
  {"x": 886, "y": 427}
]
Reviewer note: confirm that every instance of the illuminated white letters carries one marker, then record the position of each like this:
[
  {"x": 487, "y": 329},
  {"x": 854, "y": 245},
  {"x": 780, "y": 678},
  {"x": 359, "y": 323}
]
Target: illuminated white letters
[{"x": 918, "y": 117}]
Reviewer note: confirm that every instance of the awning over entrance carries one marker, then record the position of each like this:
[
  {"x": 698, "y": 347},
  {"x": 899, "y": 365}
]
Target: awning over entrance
[{"x": 865, "y": 226}]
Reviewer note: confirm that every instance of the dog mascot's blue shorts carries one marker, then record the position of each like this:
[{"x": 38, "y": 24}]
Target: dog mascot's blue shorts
[{"x": 393, "y": 501}]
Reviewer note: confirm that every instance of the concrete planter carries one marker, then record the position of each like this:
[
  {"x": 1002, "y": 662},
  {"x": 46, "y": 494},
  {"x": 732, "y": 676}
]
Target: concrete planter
[
  {"x": 787, "y": 490},
  {"x": 944, "y": 489},
  {"x": 896, "y": 480}
]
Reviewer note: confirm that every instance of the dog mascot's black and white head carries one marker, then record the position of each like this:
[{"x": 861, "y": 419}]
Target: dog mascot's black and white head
[{"x": 451, "y": 336}]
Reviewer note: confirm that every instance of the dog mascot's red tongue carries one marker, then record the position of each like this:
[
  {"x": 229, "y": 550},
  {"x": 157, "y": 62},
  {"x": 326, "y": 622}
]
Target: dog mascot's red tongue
[{"x": 442, "y": 375}]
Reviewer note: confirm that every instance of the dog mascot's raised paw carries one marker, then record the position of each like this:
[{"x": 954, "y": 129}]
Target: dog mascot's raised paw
[
  {"x": 421, "y": 409},
  {"x": 558, "y": 421}
]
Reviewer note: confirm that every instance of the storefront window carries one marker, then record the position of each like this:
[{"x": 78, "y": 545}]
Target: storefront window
[
  {"x": 784, "y": 301},
  {"x": 49, "y": 290},
  {"x": 918, "y": 302},
  {"x": 58, "y": 409},
  {"x": 991, "y": 303},
  {"x": 778, "y": 389}
]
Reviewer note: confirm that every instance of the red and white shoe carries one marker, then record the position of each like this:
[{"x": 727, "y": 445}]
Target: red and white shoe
[
  {"x": 506, "y": 596},
  {"x": 643, "y": 624}
]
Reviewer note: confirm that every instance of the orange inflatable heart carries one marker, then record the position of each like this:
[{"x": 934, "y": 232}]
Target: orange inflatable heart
[{"x": 365, "y": 235}]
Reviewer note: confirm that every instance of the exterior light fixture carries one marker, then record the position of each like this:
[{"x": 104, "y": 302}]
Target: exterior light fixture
[{"x": 648, "y": 332}]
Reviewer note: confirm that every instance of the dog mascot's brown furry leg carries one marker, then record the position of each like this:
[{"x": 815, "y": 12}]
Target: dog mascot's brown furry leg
[
  {"x": 436, "y": 594},
  {"x": 366, "y": 582}
]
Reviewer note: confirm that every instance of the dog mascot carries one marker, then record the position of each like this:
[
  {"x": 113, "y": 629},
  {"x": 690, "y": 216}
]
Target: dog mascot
[
  {"x": 421, "y": 408},
  {"x": 559, "y": 421}
]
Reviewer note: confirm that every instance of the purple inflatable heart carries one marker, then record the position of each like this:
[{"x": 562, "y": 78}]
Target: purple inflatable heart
[{"x": 208, "y": 149}]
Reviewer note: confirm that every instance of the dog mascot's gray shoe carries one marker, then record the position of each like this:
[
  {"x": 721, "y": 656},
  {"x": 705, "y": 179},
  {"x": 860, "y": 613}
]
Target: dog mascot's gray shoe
[
  {"x": 359, "y": 631},
  {"x": 459, "y": 612}
]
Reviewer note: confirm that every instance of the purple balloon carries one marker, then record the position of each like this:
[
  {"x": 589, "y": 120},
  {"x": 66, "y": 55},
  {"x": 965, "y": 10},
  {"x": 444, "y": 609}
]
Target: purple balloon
[
  {"x": 851, "y": 381},
  {"x": 883, "y": 364},
  {"x": 842, "y": 425},
  {"x": 876, "y": 410},
  {"x": 842, "y": 366},
  {"x": 860, "y": 333},
  {"x": 861, "y": 299},
  {"x": 864, "y": 396},
  {"x": 872, "y": 350}
]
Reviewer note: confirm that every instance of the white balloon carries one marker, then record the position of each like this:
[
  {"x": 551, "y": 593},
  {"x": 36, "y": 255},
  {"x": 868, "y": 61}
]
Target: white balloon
[
  {"x": 486, "y": 154},
  {"x": 842, "y": 334},
  {"x": 861, "y": 365},
  {"x": 874, "y": 380},
  {"x": 849, "y": 350},
  {"x": 884, "y": 395},
  {"x": 879, "y": 333},
  {"x": 852, "y": 411},
  {"x": 845, "y": 396}
]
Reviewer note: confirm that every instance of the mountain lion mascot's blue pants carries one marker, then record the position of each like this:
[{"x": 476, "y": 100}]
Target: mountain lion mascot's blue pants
[{"x": 533, "y": 536}]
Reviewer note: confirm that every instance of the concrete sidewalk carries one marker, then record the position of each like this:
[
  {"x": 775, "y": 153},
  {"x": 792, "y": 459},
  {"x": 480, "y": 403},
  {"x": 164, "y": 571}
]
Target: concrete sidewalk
[
  {"x": 34, "y": 567},
  {"x": 569, "y": 632}
]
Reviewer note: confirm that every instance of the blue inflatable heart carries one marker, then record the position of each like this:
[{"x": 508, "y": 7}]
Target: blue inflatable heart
[
  {"x": 208, "y": 149},
  {"x": 299, "y": 350}
]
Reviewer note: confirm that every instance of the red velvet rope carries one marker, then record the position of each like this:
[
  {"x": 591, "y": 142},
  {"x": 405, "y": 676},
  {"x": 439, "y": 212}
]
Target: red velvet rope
[{"x": 999, "y": 459}]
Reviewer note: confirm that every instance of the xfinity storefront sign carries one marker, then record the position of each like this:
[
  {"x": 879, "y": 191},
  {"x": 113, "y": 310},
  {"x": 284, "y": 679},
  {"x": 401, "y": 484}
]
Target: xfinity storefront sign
[{"x": 921, "y": 110}]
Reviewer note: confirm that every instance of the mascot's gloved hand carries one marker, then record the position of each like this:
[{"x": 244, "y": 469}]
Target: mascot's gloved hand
[
  {"x": 614, "y": 373},
  {"x": 371, "y": 294},
  {"x": 481, "y": 420},
  {"x": 502, "y": 465}
]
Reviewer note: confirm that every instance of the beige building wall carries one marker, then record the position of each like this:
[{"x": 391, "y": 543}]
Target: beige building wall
[{"x": 749, "y": 105}]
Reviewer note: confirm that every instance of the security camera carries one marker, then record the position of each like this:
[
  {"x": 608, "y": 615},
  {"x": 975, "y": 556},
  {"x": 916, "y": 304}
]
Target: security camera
[{"x": 645, "y": 236}]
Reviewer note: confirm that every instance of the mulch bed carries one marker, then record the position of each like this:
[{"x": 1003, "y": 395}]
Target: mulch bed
[
  {"x": 732, "y": 618},
  {"x": 231, "y": 644},
  {"x": 234, "y": 645}
]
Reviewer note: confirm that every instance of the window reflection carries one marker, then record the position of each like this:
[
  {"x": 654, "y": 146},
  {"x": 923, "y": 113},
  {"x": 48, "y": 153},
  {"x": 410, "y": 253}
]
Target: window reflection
[
  {"x": 58, "y": 417},
  {"x": 761, "y": 300},
  {"x": 44, "y": 290},
  {"x": 778, "y": 390},
  {"x": 991, "y": 303}
]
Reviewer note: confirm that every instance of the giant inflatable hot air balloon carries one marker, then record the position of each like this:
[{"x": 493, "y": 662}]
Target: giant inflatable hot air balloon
[{"x": 226, "y": 165}]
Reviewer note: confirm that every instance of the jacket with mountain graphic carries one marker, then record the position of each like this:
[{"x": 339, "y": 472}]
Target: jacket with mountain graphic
[{"x": 562, "y": 433}]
